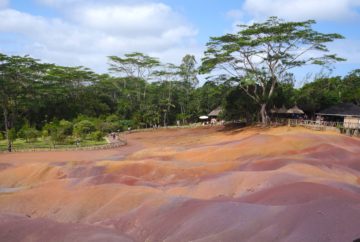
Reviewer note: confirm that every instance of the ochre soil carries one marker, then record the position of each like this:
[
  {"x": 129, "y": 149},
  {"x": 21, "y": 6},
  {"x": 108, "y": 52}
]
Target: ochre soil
[{"x": 202, "y": 184}]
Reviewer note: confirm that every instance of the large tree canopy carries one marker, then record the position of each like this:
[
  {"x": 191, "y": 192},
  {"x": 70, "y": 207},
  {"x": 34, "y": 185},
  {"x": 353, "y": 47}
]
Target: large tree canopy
[
  {"x": 20, "y": 79},
  {"x": 261, "y": 54},
  {"x": 134, "y": 64}
]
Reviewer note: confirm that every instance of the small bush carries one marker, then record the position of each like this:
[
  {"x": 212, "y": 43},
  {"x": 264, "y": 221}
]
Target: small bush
[
  {"x": 52, "y": 131},
  {"x": 107, "y": 127},
  {"x": 97, "y": 136},
  {"x": 66, "y": 127},
  {"x": 83, "y": 128},
  {"x": 12, "y": 134},
  {"x": 112, "y": 118},
  {"x": 28, "y": 133},
  {"x": 125, "y": 124}
]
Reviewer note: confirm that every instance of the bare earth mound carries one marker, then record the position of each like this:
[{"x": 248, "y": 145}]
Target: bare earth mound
[{"x": 203, "y": 184}]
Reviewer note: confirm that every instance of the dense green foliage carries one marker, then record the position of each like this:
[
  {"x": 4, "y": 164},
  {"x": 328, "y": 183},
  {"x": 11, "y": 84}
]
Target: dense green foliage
[
  {"x": 325, "y": 92},
  {"x": 67, "y": 105}
]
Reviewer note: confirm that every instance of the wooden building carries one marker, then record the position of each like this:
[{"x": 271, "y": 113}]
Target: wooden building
[
  {"x": 295, "y": 110},
  {"x": 292, "y": 113},
  {"x": 214, "y": 114},
  {"x": 346, "y": 113},
  {"x": 279, "y": 112},
  {"x": 352, "y": 122}
]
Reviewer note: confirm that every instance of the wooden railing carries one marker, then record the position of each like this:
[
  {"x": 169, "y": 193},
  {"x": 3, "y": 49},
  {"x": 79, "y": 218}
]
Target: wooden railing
[
  {"x": 351, "y": 125},
  {"x": 313, "y": 124},
  {"x": 344, "y": 128}
]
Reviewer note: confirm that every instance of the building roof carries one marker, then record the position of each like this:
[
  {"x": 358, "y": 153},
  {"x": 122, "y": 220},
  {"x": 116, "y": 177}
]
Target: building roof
[
  {"x": 295, "y": 110},
  {"x": 215, "y": 112},
  {"x": 281, "y": 110},
  {"x": 343, "y": 109}
]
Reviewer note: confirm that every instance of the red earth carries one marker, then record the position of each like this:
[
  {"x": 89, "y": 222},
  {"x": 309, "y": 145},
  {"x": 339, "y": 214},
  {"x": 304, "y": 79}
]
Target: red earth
[{"x": 200, "y": 184}]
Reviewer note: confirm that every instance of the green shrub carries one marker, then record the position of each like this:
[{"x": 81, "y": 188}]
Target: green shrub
[
  {"x": 66, "y": 127},
  {"x": 107, "y": 127},
  {"x": 2, "y": 136},
  {"x": 28, "y": 133},
  {"x": 70, "y": 140},
  {"x": 83, "y": 128},
  {"x": 112, "y": 118},
  {"x": 97, "y": 136},
  {"x": 52, "y": 131},
  {"x": 12, "y": 134},
  {"x": 125, "y": 124}
]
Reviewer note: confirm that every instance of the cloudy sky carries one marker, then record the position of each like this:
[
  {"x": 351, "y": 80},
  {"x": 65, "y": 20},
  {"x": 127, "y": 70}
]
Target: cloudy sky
[{"x": 84, "y": 32}]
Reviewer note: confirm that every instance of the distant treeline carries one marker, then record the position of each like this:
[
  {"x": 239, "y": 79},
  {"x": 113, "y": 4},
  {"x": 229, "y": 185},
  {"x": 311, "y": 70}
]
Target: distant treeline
[
  {"x": 40, "y": 99},
  {"x": 250, "y": 77},
  {"x": 38, "y": 96}
]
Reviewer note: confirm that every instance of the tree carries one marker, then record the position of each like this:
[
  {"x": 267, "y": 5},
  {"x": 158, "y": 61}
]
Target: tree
[
  {"x": 28, "y": 133},
  {"x": 20, "y": 79},
  {"x": 167, "y": 76},
  {"x": 261, "y": 54},
  {"x": 137, "y": 68},
  {"x": 188, "y": 73},
  {"x": 135, "y": 65},
  {"x": 319, "y": 94},
  {"x": 51, "y": 131},
  {"x": 238, "y": 104},
  {"x": 351, "y": 87},
  {"x": 212, "y": 95},
  {"x": 83, "y": 128},
  {"x": 69, "y": 91}
]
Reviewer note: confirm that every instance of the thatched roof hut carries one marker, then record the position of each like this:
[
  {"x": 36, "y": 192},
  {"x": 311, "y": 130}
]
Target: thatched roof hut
[
  {"x": 341, "y": 110},
  {"x": 216, "y": 112},
  {"x": 295, "y": 110},
  {"x": 281, "y": 110}
]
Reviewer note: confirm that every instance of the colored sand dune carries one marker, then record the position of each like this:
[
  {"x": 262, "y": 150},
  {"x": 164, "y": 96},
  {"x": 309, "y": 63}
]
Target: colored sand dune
[{"x": 203, "y": 184}]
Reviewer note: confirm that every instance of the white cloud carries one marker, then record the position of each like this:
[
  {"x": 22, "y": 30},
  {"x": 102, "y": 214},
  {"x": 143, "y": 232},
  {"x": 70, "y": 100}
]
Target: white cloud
[
  {"x": 303, "y": 9},
  {"x": 235, "y": 14},
  {"x": 90, "y": 31},
  {"x": 4, "y": 3},
  {"x": 130, "y": 20}
]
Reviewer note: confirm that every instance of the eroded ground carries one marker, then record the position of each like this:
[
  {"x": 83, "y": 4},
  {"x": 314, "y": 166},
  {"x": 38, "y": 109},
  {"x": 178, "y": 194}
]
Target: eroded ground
[{"x": 201, "y": 184}]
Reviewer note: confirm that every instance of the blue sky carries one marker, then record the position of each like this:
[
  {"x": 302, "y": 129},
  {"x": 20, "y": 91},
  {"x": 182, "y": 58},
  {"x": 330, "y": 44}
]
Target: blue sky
[{"x": 84, "y": 32}]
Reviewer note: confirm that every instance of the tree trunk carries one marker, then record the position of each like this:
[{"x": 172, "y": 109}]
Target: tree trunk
[
  {"x": 165, "y": 117},
  {"x": 8, "y": 138},
  {"x": 263, "y": 114},
  {"x": 144, "y": 92},
  {"x": 182, "y": 113}
]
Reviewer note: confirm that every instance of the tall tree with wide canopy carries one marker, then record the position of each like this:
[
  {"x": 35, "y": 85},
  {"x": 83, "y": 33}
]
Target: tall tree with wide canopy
[
  {"x": 261, "y": 55},
  {"x": 167, "y": 75},
  {"x": 188, "y": 73},
  {"x": 137, "y": 65},
  {"x": 20, "y": 79}
]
